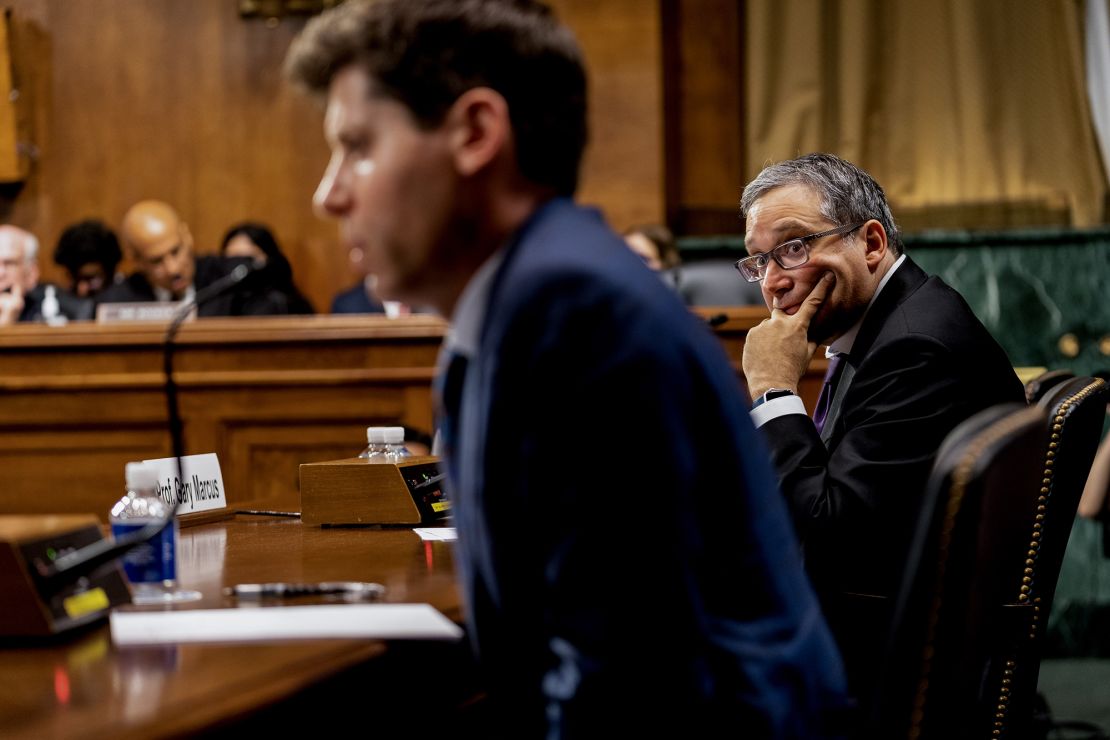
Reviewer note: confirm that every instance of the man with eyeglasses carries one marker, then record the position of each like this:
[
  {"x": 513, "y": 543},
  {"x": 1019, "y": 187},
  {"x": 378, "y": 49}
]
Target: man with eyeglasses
[{"x": 908, "y": 360}]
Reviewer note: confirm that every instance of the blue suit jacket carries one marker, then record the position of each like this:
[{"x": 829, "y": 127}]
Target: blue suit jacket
[
  {"x": 355, "y": 300},
  {"x": 627, "y": 560}
]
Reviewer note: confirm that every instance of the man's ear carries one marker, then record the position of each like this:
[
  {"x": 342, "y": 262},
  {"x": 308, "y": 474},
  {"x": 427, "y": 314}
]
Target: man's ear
[
  {"x": 478, "y": 128},
  {"x": 185, "y": 235},
  {"x": 874, "y": 243}
]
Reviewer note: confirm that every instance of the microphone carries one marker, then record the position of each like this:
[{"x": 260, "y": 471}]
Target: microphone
[{"x": 89, "y": 559}]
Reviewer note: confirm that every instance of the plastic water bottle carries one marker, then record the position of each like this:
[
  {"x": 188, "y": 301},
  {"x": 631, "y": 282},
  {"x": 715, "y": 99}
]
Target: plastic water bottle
[
  {"x": 395, "y": 450},
  {"x": 51, "y": 310},
  {"x": 151, "y": 567},
  {"x": 375, "y": 444}
]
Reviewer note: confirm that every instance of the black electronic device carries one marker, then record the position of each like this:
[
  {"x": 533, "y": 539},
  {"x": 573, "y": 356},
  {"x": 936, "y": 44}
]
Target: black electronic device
[
  {"x": 37, "y": 607},
  {"x": 360, "y": 492}
]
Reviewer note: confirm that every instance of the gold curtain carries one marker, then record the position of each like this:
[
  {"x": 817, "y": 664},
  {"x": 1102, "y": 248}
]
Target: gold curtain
[{"x": 969, "y": 113}]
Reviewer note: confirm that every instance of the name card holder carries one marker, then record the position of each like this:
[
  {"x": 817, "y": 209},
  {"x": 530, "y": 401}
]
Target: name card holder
[
  {"x": 202, "y": 495},
  {"x": 152, "y": 312},
  {"x": 358, "y": 492}
]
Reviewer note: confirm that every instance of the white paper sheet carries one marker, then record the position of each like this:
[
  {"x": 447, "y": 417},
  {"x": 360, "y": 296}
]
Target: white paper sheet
[
  {"x": 447, "y": 534},
  {"x": 259, "y": 624}
]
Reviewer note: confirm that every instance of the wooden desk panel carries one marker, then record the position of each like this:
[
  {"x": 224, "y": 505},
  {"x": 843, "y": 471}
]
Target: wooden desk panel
[
  {"x": 265, "y": 394},
  {"x": 78, "y": 402},
  {"x": 85, "y": 687}
]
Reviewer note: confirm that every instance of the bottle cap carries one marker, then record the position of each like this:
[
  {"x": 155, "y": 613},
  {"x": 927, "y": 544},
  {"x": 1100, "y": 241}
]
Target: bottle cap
[
  {"x": 393, "y": 435},
  {"x": 375, "y": 435},
  {"x": 140, "y": 476}
]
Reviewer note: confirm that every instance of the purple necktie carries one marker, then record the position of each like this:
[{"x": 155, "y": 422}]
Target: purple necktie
[{"x": 832, "y": 375}]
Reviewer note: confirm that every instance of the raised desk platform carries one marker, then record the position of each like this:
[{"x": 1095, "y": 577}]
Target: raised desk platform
[
  {"x": 265, "y": 394},
  {"x": 84, "y": 687}
]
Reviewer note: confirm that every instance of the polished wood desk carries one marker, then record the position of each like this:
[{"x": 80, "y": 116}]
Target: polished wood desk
[
  {"x": 265, "y": 394},
  {"x": 84, "y": 687}
]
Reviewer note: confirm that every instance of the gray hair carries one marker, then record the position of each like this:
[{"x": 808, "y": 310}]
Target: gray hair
[
  {"x": 30, "y": 248},
  {"x": 848, "y": 194},
  {"x": 25, "y": 239}
]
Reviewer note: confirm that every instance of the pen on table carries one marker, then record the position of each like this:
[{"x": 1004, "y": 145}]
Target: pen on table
[{"x": 280, "y": 590}]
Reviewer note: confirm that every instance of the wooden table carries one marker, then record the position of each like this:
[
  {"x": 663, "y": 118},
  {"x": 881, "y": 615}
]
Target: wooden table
[
  {"x": 84, "y": 687},
  {"x": 265, "y": 394}
]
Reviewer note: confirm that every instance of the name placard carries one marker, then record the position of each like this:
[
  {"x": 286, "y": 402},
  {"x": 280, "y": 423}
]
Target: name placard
[
  {"x": 202, "y": 488},
  {"x": 111, "y": 313}
]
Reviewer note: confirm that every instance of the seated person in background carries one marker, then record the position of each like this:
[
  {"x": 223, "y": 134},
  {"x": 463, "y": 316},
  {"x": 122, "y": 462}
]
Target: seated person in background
[
  {"x": 655, "y": 244},
  {"x": 908, "y": 360},
  {"x": 362, "y": 298},
  {"x": 657, "y": 248},
  {"x": 90, "y": 253},
  {"x": 162, "y": 247},
  {"x": 256, "y": 242},
  {"x": 22, "y": 297}
]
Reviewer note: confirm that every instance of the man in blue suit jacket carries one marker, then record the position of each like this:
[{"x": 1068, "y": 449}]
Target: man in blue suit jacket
[{"x": 626, "y": 560}]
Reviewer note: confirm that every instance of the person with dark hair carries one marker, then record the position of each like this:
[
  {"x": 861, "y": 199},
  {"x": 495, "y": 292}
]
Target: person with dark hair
[
  {"x": 90, "y": 253},
  {"x": 456, "y": 129},
  {"x": 256, "y": 242},
  {"x": 908, "y": 361}
]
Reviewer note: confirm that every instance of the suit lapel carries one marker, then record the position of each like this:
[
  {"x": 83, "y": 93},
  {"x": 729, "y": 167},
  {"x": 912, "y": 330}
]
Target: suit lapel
[{"x": 907, "y": 279}]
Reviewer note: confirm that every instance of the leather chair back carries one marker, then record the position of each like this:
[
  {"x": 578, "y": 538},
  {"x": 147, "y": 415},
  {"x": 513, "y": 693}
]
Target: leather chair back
[{"x": 965, "y": 650}]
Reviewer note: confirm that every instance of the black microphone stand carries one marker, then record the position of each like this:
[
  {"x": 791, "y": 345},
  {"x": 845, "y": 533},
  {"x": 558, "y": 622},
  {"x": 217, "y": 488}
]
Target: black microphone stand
[{"x": 89, "y": 559}]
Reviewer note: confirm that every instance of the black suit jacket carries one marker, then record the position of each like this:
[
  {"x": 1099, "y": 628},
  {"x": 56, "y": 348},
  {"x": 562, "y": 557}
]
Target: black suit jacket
[
  {"x": 921, "y": 363},
  {"x": 247, "y": 299}
]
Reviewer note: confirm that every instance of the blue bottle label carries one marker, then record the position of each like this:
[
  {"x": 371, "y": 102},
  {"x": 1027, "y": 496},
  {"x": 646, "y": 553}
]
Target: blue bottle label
[{"x": 150, "y": 562}]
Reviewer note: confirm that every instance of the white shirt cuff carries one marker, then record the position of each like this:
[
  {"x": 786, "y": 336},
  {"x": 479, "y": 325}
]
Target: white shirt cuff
[{"x": 775, "y": 408}]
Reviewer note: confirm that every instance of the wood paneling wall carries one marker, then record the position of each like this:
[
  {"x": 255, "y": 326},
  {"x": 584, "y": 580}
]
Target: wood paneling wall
[
  {"x": 703, "y": 59},
  {"x": 183, "y": 100}
]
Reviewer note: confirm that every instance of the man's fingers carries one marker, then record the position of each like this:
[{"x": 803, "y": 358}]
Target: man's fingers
[{"x": 815, "y": 298}]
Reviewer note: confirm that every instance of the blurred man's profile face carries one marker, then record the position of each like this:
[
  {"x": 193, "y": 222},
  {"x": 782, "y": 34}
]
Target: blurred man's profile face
[
  {"x": 647, "y": 250},
  {"x": 14, "y": 269},
  {"x": 390, "y": 184},
  {"x": 167, "y": 260}
]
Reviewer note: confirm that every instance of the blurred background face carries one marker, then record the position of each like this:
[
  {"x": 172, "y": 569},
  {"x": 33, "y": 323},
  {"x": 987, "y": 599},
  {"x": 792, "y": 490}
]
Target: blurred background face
[
  {"x": 242, "y": 246},
  {"x": 647, "y": 250},
  {"x": 14, "y": 269},
  {"x": 89, "y": 279},
  {"x": 167, "y": 260}
]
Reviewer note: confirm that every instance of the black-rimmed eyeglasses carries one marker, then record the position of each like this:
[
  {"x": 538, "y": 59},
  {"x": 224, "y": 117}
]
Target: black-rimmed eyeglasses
[{"x": 788, "y": 255}]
